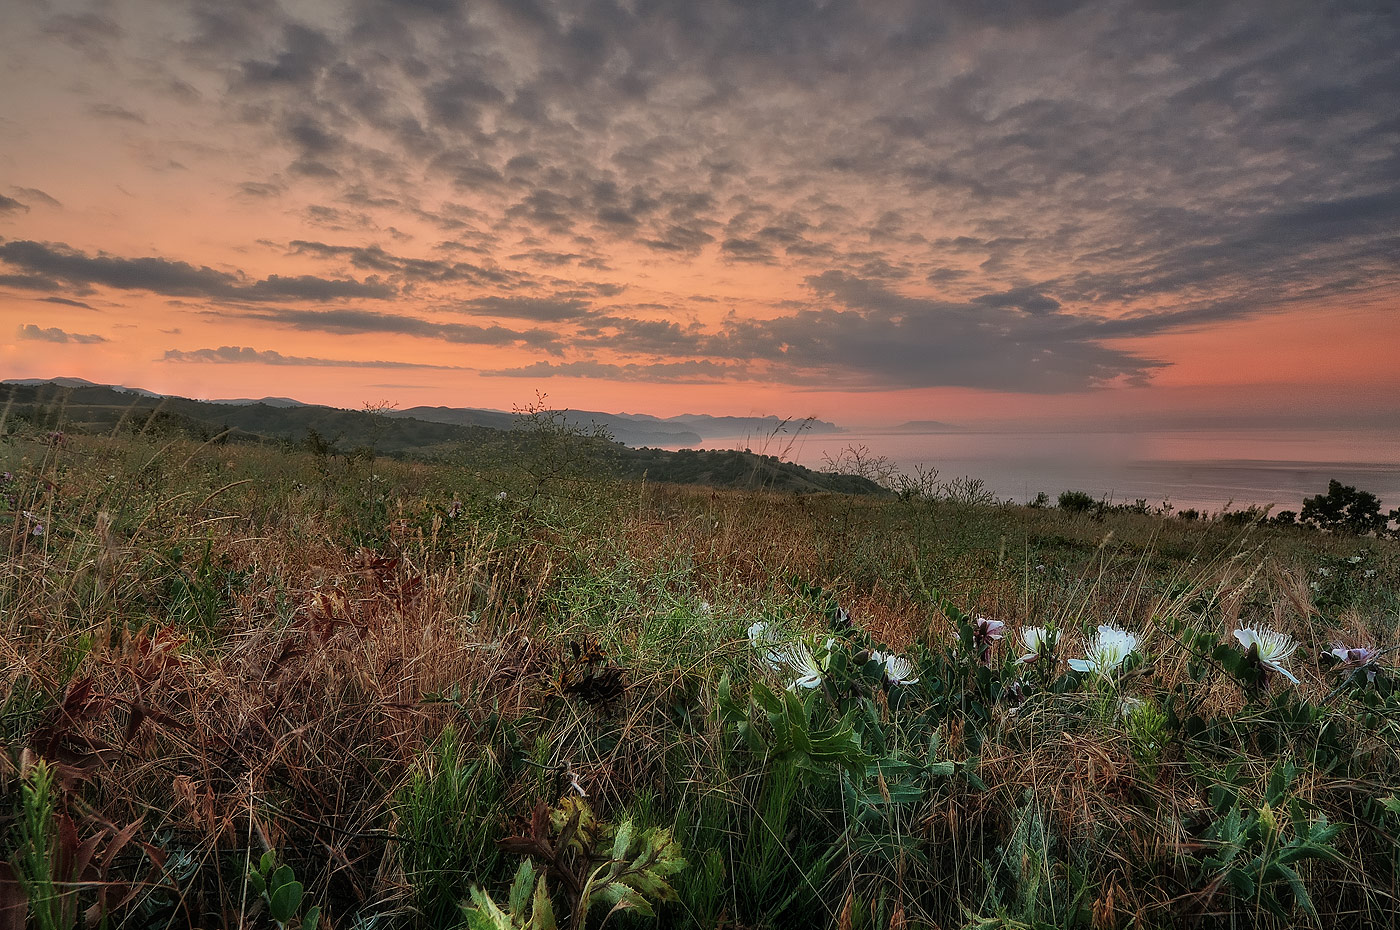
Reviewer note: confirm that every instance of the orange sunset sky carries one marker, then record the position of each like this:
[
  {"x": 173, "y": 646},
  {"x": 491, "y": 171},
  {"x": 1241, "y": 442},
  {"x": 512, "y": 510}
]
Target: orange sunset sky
[{"x": 868, "y": 212}]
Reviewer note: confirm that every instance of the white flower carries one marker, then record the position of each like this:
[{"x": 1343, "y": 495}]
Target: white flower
[
  {"x": 1354, "y": 560},
  {"x": 764, "y": 638},
  {"x": 1324, "y": 572},
  {"x": 1272, "y": 647},
  {"x": 1369, "y": 573},
  {"x": 1037, "y": 641},
  {"x": 799, "y": 660},
  {"x": 897, "y": 668},
  {"x": 1109, "y": 649}
]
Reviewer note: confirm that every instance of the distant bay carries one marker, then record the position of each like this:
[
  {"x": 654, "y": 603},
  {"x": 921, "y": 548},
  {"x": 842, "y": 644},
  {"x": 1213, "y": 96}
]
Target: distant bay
[{"x": 1205, "y": 469}]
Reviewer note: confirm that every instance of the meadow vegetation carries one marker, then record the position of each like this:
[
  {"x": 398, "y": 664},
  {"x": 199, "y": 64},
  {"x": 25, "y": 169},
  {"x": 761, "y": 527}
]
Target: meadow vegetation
[{"x": 249, "y": 685}]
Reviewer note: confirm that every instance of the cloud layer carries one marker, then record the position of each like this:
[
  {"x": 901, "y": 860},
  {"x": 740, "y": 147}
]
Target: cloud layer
[{"x": 857, "y": 196}]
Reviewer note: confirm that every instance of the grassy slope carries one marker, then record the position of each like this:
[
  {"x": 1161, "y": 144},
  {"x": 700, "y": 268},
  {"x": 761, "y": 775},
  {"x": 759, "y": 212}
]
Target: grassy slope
[
  {"x": 368, "y": 667},
  {"x": 333, "y": 431}
]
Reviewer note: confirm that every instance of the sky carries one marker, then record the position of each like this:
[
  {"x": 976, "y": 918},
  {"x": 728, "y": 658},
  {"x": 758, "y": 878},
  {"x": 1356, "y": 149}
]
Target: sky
[{"x": 974, "y": 211}]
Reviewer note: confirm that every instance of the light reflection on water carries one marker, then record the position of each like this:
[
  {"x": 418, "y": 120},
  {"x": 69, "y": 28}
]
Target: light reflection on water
[{"x": 1204, "y": 469}]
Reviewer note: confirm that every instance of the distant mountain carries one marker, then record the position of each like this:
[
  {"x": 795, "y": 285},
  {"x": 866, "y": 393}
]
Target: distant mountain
[
  {"x": 80, "y": 382},
  {"x": 925, "y": 426},
  {"x": 630, "y": 429},
  {"x": 266, "y": 401},
  {"x": 80, "y": 406},
  {"x": 757, "y": 427},
  {"x": 635, "y": 429}
]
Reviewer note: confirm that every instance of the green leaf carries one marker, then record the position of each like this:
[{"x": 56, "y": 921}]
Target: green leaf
[
  {"x": 485, "y": 914},
  {"x": 1240, "y": 880},
  {"x": 522, "y": 886},
  {"x": 622, "y": 840},
  {"x": 623, "y": 897},
  {"x": 312, "y": 918},
  {"x": 256, "y": 882},
  {"x": 268, "y": 860},
  {"x": 542, "y": 917},
  {"x": 764, "y": 697},
  {"x": 284, "y": 875},
  {"x": 1300, "y": 891},
  {"x": 284, "y": 901}
]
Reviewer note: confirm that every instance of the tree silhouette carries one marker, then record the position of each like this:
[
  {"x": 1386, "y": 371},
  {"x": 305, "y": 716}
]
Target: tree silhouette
[{"x": 1344, "y": 509}]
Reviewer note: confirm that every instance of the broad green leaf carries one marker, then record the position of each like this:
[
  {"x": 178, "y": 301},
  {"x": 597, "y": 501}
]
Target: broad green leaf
[
  {"x": 282, "y": 876},
  {"x": 542, "y": 917},
  {"x": 284, "y": 901},
  {"x": 485, "y": 914},
  {"x": 622, "y": 840},
  {"x": 521, "y": 888}
]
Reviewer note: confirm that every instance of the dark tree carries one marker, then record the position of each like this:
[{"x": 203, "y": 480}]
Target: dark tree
[{"x": 1343, "y": 509}]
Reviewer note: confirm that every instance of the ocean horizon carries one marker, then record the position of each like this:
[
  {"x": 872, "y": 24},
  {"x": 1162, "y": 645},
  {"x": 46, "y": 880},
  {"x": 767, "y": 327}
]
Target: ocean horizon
[{"x": 1203, "y": 469}]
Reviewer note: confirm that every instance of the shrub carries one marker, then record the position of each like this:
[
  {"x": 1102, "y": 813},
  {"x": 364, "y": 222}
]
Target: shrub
[
  {"x": 1344, "y": 509},
  {"x": 1075, "y": 501}
]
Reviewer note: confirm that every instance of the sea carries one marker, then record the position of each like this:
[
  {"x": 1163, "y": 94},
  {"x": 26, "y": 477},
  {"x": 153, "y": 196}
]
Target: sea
[{"x": 1210, "y": 470}]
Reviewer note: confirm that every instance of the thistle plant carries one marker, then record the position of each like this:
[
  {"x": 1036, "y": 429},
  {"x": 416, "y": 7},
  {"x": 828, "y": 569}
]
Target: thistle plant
[{"x": 592, "y": 861}]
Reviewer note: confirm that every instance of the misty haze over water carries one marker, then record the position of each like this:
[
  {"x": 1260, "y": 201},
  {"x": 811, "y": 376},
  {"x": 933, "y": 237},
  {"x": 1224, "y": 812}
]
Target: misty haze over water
[{"x": 1206, "y": 469}]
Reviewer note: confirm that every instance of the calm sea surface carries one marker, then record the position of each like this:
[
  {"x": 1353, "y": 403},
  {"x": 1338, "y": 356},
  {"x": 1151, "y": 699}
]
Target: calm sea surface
[{"x": 1204, "y": 469}]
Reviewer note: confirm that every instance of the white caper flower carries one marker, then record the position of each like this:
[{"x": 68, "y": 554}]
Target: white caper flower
[
  {"x": 765, "y": 639},
  {"x": 1109, "y": 649},
  {"x": 1038, "y": 641},
  {"x": 898, "y": 669},
  {"x": 800, "y": 660},
  {"x": 1272, "y": 647}
]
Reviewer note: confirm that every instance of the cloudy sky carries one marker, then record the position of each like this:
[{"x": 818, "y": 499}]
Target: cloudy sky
[{"x": 871, "y": 212}]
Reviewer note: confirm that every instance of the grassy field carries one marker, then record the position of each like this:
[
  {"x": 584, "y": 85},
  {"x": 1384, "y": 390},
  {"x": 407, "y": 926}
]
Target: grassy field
[{"x": 253, "y": 687}]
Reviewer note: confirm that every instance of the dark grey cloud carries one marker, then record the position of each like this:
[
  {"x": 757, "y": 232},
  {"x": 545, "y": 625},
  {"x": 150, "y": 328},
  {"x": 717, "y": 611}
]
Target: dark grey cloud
[
  {"x": 1029, "y": 299},
  {"x": 304, "y": 52},
  {"x": 698, "y": 371},
  {"x": 352, "y": 322},
  {"x": 876, "y": 338},
  {"x": 245, "y": 355},
  {"x": 116, "y": 112},
  {"x": 34, "y": 194},
  {"x": 527, "y": 308},
  {"x": 88, "y": 32},
  {"x": 10, "y": 205},
  {"x": 66, "y": 302},
  {"x": 260, "y": 189},
  {"x": 310, "y": 287},
  {"x": 375, "y": 258},
  {"x": 47, "y": 264},
  {"x": 34, "y": 282},
  {"x": 54, "y": 334}
]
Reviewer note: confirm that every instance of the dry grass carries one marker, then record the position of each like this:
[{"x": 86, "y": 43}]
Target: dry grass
[{"x": 243, "y": 649}]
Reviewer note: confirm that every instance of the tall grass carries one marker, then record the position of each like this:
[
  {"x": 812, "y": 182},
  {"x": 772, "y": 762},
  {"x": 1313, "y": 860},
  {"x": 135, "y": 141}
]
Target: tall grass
[{"x": 380, "y": 669}]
